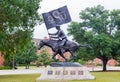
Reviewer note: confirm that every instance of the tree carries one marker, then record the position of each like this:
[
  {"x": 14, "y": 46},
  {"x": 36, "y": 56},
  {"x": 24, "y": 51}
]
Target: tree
[
  {"x": 43, "y": 58},
  {"x": 116, "y": 45},
  {"x": 27, "y": 56},
  {"x": 17, "y": 21},
  {"x": 99, "y": 28}
]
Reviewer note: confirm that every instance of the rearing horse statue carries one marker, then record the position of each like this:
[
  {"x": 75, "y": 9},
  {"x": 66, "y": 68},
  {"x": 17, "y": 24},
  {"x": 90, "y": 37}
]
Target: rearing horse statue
[{"x": 69, "y": 46}]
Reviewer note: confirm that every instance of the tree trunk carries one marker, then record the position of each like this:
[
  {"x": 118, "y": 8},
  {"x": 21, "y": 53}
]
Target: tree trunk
[
  {"x": 13, "y": 63},
  {"x": 105, "y": 60},
  {"x": 27, "y": 65}
]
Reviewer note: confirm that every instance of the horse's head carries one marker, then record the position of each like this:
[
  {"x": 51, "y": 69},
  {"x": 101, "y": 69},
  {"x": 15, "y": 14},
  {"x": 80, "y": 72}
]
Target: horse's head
[{"x": 47, "y": 42}]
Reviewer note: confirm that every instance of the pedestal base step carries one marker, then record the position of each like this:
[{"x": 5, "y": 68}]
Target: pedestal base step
[
  {"x": 65, "y": 73},
  {"x": 65, "y": 64}
]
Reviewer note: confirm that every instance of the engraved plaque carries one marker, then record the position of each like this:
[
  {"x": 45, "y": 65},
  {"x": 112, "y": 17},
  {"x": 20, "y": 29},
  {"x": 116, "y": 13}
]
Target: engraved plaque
[
  {"x": 57, "y": 72},
  {"x": 72, "y": 72},
  {"x": 80, "y": 72},
  {"x": 50, "y": 72},
  {"x": 65, "y": 72}
]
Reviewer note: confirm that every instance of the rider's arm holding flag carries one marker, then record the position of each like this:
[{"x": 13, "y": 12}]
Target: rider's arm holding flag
[{"x": 53, "y": 35}]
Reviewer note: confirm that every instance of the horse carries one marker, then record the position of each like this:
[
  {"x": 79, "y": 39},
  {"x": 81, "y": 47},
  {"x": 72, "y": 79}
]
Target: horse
[{"x": 69, "y": 46}]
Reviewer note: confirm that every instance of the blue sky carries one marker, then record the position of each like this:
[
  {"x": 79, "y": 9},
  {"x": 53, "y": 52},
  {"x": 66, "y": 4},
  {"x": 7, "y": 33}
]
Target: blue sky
[{"x": 74, "y": 7}]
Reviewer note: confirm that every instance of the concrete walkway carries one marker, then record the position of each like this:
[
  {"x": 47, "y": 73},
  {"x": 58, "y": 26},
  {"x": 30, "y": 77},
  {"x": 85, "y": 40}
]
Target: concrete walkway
[
  {"x": 25, "y": 71},
  {"x": 39, "y": 70},
  {"x": 21, "y": 71},
  {"x": 99, "y": 68}
]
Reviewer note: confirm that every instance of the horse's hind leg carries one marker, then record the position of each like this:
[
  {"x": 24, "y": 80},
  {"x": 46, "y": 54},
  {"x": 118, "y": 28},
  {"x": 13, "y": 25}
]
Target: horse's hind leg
[
  {"x": 64, "y": 58},
  {"x": 72, "y": 56}
]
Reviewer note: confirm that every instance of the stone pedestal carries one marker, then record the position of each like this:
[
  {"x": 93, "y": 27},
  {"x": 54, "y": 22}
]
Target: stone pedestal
[{"x": 65, "y": 73}]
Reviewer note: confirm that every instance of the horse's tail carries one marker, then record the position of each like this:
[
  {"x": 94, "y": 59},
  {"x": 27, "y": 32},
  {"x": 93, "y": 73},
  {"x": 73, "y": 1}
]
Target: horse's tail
[{"x": 78, "y": 46}]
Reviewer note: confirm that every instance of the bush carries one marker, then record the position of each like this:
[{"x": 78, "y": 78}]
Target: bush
[
  {"x": 99, "y": 65},
  {"x": 25, "y": 65},
  {"x": 32, "y": 64},
  {"x": 39, "y": 64},
  {"x": 118, "y": 64},
  {"x": 82, "y": 62},
  {"x": 4, "y": 67},
  {"x": 44, "y": 58}
]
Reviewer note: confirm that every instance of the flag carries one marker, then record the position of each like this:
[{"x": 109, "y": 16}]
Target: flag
[{"x": 56, "y": 17}]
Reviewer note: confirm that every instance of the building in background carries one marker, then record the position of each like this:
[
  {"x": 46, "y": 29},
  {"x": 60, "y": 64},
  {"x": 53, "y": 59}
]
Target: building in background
[{"x": 1, "y": 59}]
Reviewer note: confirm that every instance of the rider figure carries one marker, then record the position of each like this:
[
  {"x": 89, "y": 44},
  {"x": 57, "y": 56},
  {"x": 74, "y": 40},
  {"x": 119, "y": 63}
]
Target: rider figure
[{"x": 60, "y": 35}]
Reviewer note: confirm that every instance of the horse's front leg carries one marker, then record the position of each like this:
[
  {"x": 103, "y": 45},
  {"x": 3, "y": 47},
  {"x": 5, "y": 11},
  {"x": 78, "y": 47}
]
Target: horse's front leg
[
  {"x": 62, "y": 55},
  {"x": 54, "y": 55}
]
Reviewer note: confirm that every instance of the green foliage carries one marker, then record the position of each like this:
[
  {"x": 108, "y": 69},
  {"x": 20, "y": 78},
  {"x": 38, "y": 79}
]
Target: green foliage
[
  {"x": 118, "y": 64},
  {"x": 27, "y": 56},
  {"x": 43, "y": 58},
  {"x": 95, "y": 18},
  {"x": 76, "y": 31},
  {"x": 81, "y": 61},
  {"x": 118, "y": 59},
  {"x": 100, "y": 29},
  {"x": 102, "y": 45},
  {"x": 116, "y": 44},
  {"x": 4, "y": 67},
  {"x": 17, "y": 21},
  {"x": 99, "y": 65}
]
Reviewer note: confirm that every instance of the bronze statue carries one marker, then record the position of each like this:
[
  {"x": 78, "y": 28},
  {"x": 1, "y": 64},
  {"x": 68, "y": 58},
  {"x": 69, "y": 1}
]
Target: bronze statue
[
  {"x": 60, "y": 37},
  {"x": 69, "y": 46}
]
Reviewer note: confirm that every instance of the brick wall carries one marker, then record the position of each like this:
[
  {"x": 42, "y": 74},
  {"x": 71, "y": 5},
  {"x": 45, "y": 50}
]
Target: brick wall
[
  {"x": 110, "y": 62},
  {"x": 1, "y": 60}
]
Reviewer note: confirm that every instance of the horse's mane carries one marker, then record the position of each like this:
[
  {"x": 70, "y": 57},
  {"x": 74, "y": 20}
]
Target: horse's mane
[{"x": 50, "y": 43}]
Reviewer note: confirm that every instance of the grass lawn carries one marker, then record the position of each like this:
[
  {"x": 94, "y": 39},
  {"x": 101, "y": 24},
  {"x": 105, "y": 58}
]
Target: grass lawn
[
  {"x": 104, "y": 77},
  {"x": 99, "y": 77},
  {"x": 19, "y": 78}
]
